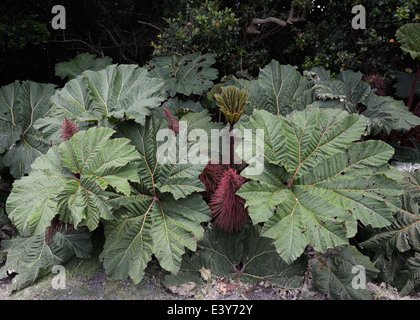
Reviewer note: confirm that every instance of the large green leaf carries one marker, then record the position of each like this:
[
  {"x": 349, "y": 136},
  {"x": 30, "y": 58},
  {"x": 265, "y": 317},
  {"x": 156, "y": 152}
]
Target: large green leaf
[
  {"x": 279, "y": 89},
  {"x": 349, "y": 92},
  {"x": 115, "y": 93},
  {"x": 175, "y": 177},
  {"x": 21, "y": 104},
  {"x": 201, "y": 122},
  {"x": 386, "y": 114},
  {"x": 161, "y": 216},
  {"x": 10, "y": 133},
  {"x": 162, "y": 226},
  {"x": 404, "y": 233},
  {"x": 395, "y": 248},
  {"x": 73, "y": 102},
  {"x": 413, "y": 280},
  {"x": 411, "y": 184},
  {"x": 124, "y": 91},
  {"x": 317, "y": 182},
  {"x": 34, "y": 257},
  {"x": 404, "y": 84},
  {"x": 409, "y": 37},
  {"x": 342, "y": 273},
  {"x": 178, "y": 106},
  {"x": 82, "y": 62},
  {"x": 246, "y": 256},
  {"x": 188, "y": 75},
  {"x": 70, "y": 180},
  {"x": 346, "y": 91}
]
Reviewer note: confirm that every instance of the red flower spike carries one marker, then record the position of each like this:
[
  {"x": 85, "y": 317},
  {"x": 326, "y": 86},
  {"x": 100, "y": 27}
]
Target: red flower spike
[
  {"x": 211, "y": 176},
  {"x": 173, "y": 122},
  {"x": 68, "y": 129},
  {"x": 228, "y": 209}
]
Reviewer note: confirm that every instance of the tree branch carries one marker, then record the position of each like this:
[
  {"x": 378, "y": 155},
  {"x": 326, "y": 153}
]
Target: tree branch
[
  {"x": 150, "y": 25},
  {"x": 252, "y": 28}
]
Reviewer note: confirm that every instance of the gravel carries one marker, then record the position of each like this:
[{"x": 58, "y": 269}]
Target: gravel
[
  {"x": 90, "y": 282},
  {"x": 99, "y": 287}
]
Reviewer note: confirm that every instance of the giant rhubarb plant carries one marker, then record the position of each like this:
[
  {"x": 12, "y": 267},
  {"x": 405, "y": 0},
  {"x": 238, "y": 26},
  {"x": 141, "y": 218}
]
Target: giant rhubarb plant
[
  {"x": 317, "y": 182},
  {"x": 66, "y": 189},
  {"x": 148, "y": 207},
  {"x": 162, "y": 214},
  {"x": 70, "y": 180}
]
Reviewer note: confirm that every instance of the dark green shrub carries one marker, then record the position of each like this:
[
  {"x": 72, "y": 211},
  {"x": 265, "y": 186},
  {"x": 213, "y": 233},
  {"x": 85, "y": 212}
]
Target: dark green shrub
[{"x": 209, "y": 28}]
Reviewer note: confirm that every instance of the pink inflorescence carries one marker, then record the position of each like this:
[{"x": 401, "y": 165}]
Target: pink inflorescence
[
  {"x": 68, "y": 129},
  {"x": 173, "y": 121},
  {"x": 228, "y": 209}
]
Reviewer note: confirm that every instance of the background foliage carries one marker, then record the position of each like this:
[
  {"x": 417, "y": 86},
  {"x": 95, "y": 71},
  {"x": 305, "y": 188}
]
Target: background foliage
[{"x": 131, "y": 31}]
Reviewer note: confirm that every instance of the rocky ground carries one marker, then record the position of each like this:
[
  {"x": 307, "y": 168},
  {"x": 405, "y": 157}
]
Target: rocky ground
[{"x": 89, "y": 282}]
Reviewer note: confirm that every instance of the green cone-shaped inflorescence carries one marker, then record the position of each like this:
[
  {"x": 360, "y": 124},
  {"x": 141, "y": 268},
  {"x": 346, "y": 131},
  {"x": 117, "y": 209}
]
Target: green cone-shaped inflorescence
[{"x": 232, "y": 102}]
